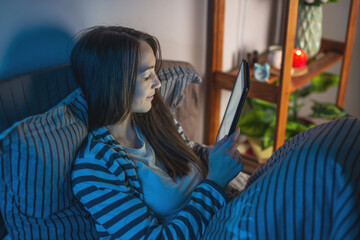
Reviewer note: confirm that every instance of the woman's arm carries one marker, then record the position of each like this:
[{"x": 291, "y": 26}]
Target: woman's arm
[{"x": 106, "y": 192}]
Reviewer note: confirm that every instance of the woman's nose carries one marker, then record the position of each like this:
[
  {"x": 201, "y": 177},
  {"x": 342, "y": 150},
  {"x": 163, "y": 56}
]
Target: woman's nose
[{"x": 156, "y": 82}]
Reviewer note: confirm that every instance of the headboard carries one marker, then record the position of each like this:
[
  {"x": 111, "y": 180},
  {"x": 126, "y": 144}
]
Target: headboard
[{"x": 33, "y": 93}]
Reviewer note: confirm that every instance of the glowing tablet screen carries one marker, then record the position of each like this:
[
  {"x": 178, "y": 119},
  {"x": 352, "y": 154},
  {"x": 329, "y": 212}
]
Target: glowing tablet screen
[{"x": 236, "y": 102}]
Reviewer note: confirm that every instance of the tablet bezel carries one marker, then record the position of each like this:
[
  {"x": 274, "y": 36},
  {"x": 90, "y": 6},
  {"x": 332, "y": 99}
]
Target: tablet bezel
[{"x": 244, "y": 72}]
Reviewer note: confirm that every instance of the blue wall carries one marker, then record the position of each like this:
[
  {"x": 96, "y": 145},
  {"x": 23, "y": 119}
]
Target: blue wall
[
  {"x": 35, "y": 48},
  {"x": 35, "y": 34},
  {"x": 38, "y": 33}
]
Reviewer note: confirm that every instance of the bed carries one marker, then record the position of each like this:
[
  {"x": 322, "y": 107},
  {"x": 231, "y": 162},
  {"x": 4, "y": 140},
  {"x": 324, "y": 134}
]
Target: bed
[{"x": 41, "y": 129}]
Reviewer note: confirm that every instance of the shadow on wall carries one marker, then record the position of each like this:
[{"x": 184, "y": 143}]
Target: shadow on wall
[{"x": 36, "y": 48}]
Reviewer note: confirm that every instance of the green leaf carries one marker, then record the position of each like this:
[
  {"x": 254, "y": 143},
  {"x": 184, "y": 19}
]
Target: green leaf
[
  {"x": 303, "y": 92},
  {"x": 320, "y": 83},
  {"x": 292, "y": 129},
  {"x": 261, "y": 104},
  {"x": 292, "y": 126},
  {"x": 303, "y": 127},
  {"x": 324, "y": 81},
  {"x": 328, "y": 111},
  {"x": 254, "y": 123},
  {"x": 267, "y": 139},
  {"x": 291, "y": 108}
]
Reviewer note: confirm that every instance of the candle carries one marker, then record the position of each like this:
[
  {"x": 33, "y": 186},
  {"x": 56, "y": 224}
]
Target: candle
[{"x": 299, "y": 58}]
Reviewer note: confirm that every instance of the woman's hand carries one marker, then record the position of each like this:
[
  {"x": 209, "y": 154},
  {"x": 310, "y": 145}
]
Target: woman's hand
[{"x": 224, "y": 160}]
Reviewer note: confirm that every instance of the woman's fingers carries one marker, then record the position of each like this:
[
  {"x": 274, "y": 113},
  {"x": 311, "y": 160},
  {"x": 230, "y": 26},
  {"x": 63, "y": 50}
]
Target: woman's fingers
[
  {"x": 231, "y": 143},
  {"x": 229, "y": 166},
  {"x": 236, "y": 156},
  {"x": 235, "y": 134},
  {"x": 227, "y": 141},
  {"x": 232, "y": 139},
  {"x": 219, "y": 143}
]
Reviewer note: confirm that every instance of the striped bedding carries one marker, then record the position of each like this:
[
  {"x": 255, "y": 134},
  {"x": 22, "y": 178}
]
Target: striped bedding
[{"x": 308, "y": 189}]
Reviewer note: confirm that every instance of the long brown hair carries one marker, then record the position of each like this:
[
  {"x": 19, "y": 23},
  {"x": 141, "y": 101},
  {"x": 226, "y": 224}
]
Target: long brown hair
[{"x": 105, "y": 62}]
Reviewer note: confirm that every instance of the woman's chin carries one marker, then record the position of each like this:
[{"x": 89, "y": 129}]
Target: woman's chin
[{"x": 144, "y": 109}]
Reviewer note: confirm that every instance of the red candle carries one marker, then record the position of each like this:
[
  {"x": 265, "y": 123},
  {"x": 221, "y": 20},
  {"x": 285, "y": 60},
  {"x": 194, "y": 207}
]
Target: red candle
[{"x": 299, "y": 58}]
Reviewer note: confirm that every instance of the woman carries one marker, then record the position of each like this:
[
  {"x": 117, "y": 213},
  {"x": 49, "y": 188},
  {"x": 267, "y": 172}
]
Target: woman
[
  {"x": 135, "y": 174},
  {"x": 138, "y": 179}
]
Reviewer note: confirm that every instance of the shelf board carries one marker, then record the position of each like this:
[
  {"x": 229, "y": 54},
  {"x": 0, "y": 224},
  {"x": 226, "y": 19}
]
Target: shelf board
[
  {"x": 333, "y": 46},
  {"x": 261, "y": 90},
  {"x": 323, "y": 61},
  {"x": 315, "y": 68}
]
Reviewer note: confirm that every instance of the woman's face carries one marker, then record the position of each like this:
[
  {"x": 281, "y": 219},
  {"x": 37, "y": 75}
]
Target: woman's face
[{"x": 146, "y": 82}]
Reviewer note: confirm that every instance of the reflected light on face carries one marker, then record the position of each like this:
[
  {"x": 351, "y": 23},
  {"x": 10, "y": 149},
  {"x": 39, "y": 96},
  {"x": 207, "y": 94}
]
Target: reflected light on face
[{"x": 147, "y": 81}]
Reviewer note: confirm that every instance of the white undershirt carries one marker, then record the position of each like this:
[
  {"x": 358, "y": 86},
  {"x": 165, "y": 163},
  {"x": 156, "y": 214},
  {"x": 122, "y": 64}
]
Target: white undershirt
[{"x": 162, "y": 194}]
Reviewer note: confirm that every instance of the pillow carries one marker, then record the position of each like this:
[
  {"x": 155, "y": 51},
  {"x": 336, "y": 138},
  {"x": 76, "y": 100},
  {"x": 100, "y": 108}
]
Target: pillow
[
  {"x": 36, "y": 197},
  {"x": 174, "y": 81}
]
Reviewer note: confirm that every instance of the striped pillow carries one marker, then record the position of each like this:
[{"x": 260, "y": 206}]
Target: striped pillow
[
  {"x": 36, "y": 197},
  {"x": 174, "y": 81}
]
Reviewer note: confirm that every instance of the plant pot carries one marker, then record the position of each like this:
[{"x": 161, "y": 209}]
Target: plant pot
[
  {"x": 309, "y": 29},
  {"x": 261, "y": 154}
]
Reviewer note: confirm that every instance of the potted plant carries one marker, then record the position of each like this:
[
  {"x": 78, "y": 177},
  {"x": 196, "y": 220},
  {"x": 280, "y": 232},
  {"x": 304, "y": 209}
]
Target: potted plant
[{"x": 258, "y": 118}]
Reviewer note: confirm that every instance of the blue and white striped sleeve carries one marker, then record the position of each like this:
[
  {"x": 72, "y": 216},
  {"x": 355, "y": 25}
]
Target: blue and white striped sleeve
[{"x": 118, "y": 209}]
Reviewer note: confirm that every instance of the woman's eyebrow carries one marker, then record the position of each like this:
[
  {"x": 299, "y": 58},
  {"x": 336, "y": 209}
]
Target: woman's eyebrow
[{"x": 145, "y": 69}]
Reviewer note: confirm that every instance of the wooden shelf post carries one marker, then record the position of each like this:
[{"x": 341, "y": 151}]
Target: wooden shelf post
[
  {"x": 215, "y": 64},
  {"x": 285, "y": 73},
  {"x": 349, "y": 42}
]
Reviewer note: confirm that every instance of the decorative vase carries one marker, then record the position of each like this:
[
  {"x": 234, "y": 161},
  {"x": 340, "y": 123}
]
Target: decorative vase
[{"x": 309, "y": 29}]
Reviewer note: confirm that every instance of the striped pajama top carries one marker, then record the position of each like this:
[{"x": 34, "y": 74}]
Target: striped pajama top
[{"x": 105, "y": 180}]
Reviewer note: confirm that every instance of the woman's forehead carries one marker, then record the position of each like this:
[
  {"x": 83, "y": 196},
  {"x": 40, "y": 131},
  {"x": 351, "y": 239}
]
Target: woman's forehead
[{"x": 147, "y": 57}]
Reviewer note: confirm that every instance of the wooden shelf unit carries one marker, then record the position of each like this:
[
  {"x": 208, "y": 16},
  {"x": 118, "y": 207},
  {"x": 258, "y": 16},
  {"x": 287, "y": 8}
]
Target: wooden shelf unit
[
  {"x": 325, "y": 59},
  {"x": 276, "y": 91}
]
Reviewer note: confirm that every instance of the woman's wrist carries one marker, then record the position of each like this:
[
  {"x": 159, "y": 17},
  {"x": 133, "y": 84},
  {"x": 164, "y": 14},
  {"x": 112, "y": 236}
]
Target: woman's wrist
[
  {"x": 217, "y": 187},
  {"x": 221, "y": 184}
]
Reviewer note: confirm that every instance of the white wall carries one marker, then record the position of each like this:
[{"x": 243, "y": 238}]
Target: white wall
[
  {"x": 179, "y": 25},
  {"x": 35, "y": 34},
  {"x": 249, "y": 25}
]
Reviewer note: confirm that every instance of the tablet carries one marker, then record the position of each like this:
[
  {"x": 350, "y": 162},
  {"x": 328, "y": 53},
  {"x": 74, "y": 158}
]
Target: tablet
[{"x": 236, "y": 101}]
